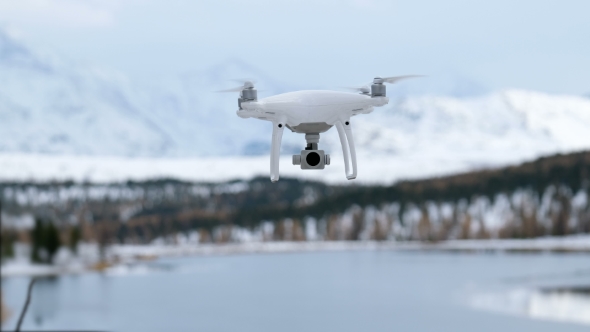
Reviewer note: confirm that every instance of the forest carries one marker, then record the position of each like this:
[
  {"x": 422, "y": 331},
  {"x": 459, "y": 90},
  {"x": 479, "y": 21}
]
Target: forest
[{"x": 547, "y": 196}]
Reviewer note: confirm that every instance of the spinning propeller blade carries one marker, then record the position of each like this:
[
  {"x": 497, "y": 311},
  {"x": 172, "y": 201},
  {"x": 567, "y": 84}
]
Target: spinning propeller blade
[
  {"x": 362, "y": 89},
  {"x": 246, "y": 84},
  {"x": 244, "y": 80},
  {"x": 238, "y": 89},
  {"x": 395, "y": 79},
  {"x": 366, "y": 89}
]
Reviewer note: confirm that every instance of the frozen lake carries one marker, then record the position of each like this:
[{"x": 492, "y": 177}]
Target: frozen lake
[{"x": 319, "y": 291}]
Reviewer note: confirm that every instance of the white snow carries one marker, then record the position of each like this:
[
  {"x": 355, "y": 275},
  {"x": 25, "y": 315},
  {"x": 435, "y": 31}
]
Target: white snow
[
  {"x": 371, "y": 168},
  {"x": 534, "y": 303},
  {"x": 61, "y": 120}
]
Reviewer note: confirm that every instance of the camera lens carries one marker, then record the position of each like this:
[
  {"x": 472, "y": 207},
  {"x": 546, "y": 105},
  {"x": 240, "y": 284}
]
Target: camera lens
[{"x": 313, "y": 159}]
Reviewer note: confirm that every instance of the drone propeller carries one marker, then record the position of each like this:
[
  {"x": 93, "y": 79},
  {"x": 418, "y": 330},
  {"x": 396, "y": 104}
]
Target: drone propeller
[
  {"x": 367, "y": 90},
  {"x": 244, "y": 80},
  {"x": 247, "y": 91},
  {"x": 362, "y": 89},
  {"x": 246, "y": 84},
  {"x": 240, "y": 88},
  {"x": 393, "y": 79}
]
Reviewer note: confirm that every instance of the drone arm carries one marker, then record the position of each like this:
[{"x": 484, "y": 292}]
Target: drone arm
[
  {"x": 347, "y": 142},
  {"x": 277, "y": 135}
]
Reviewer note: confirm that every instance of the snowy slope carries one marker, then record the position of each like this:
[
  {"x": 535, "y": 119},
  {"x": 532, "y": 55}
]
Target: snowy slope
[
  {"x": 204, "y": 123},
  {"x": 50, "y": 105},
  {"x": 51, "y": 108},
  {"x": 511, "y": 121}
]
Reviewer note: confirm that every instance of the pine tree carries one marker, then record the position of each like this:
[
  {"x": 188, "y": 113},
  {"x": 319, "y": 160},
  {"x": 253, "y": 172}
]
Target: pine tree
[
  {"x": 38, "y": 241},
  {"x": 45, "y": 238},
  {"x": 74, "y": 239},
  {"x": 53, "y": 242},
  {"x": 8, "y": 239}
]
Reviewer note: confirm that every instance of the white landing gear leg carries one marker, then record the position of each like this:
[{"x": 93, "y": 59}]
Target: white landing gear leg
[
  {"x": 275, "y": 150},
  {"x": 347, "y": 142}
]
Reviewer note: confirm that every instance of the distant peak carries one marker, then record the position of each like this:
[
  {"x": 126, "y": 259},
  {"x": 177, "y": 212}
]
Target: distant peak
[
  {"x": 9, "y": 46},
  {"x": 17, "y": 54}
]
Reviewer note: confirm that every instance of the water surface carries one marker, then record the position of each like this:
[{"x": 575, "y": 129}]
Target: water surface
[{"x": 321, "y": 291}]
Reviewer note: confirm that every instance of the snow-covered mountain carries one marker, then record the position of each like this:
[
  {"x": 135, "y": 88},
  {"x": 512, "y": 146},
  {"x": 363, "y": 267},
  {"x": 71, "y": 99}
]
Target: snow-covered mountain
[
  {"x": 50, "y": 105},
  {"x": 511, "y": 121}
]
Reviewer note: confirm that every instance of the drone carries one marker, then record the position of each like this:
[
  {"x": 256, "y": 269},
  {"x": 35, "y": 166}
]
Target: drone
[{"x": 312, "y": 112}]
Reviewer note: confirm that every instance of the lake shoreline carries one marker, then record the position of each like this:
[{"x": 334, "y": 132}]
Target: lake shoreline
[{"x": 117, "y": 255}]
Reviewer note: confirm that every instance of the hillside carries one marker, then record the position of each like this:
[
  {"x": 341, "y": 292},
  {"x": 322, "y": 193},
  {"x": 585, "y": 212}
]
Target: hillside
[
  {"x": 548, "y": 196},
  {"x": 53, "y": 106}
]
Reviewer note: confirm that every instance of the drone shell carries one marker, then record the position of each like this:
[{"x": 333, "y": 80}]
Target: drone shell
[{"x": 310, "y": 106}]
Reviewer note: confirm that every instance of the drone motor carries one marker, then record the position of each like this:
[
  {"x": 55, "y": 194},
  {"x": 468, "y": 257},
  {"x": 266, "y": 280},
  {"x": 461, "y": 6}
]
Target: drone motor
[{"x": 378, "y": 89}]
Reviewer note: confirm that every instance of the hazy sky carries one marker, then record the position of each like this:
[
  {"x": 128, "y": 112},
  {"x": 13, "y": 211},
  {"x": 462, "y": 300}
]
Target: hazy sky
[{"x": 542, "y": 45}]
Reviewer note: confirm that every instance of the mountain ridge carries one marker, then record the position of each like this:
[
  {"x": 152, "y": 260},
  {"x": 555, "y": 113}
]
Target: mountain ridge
[{"x": 51, "y": 106}]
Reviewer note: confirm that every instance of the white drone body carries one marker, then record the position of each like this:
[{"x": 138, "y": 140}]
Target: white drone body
[{"x": 312, "y": 112}]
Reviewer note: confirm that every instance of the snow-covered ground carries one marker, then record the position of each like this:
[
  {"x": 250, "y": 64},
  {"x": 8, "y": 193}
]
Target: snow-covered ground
[
  {"x": 557, "y": 304},
  {"x": 371, "y": 168},
  {"x": 566, "y": 306}
]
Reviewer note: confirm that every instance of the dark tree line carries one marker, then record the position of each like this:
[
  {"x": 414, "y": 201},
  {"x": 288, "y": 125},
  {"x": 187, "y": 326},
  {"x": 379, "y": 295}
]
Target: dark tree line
[
  {"x": 45, "y": 241},
  {"x": 139, "y": 211},
  {"x": 569, "y": 170}
]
